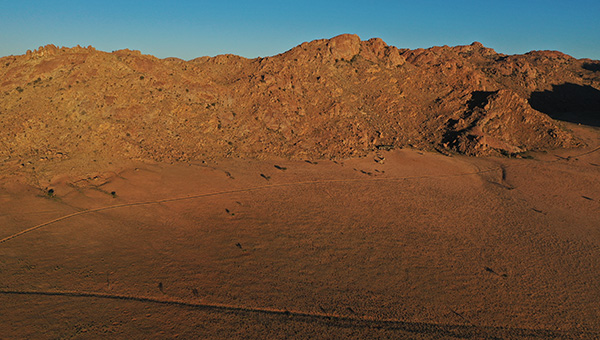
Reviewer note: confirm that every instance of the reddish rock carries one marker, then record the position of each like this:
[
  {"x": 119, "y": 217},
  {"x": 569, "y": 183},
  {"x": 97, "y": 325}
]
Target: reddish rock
[
  {"x": 344, "y": 46},
  {"x": 325, "y": 98}
]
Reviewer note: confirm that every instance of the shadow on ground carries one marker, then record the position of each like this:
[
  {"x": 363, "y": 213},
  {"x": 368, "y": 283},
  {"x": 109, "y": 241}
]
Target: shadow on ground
[{"x": 569, "y": 102}]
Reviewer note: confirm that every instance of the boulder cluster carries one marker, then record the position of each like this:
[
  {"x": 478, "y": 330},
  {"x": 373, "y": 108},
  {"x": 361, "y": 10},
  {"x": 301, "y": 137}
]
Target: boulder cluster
[{"x": 327, "y": 98}]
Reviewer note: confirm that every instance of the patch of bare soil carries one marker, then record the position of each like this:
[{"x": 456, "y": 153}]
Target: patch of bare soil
[{"x": 397, "y": 244}]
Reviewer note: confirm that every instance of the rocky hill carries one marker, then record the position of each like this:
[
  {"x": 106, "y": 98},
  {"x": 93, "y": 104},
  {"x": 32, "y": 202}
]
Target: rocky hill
[{"x": 326, "y": 98}]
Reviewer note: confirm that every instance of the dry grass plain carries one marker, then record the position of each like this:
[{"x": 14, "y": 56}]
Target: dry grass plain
[{"x": 400, "y": 244}]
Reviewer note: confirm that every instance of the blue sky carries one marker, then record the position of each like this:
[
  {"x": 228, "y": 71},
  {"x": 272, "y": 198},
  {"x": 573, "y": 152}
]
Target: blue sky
[{"x": 189, "y": 29}]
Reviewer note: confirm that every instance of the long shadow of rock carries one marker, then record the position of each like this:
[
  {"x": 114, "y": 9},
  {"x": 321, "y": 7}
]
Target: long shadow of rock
[{"x": 569, "y": 102}]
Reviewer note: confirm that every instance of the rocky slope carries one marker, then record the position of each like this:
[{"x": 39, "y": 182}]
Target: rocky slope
[{"x": 326, "y": 98}]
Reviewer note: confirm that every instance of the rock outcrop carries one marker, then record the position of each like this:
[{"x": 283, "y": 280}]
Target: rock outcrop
[{"x": 326, "y": 98}]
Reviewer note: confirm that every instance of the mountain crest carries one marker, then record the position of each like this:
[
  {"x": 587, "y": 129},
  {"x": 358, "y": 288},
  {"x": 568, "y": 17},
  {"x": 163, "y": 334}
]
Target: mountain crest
[{"x": 333, "y": 97}]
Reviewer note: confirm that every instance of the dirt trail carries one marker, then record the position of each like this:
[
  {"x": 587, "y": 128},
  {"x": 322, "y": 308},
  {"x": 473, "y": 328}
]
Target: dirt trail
[
  {"x": 268, "y": 186},
  {"x": 401, "y": 244},
  {"x": 454, "y": 331}
]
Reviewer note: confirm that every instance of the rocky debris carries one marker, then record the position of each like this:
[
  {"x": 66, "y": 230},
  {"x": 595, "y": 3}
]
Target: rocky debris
[
  {"x": 502, "y": 121},
  {"x": 327, "y": 98}
]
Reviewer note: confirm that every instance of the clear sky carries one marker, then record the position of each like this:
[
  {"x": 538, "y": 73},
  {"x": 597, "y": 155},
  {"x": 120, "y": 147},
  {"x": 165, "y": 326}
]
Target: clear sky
[{"x": 189, "y": 29}]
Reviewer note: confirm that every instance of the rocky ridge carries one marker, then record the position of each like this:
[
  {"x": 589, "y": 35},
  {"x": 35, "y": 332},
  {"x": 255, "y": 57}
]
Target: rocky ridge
[{"x": 327, "y": 98}]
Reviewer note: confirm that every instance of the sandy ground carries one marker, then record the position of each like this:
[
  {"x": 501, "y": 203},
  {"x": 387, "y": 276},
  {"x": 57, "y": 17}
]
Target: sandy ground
[{"x": 400, "y": 244}]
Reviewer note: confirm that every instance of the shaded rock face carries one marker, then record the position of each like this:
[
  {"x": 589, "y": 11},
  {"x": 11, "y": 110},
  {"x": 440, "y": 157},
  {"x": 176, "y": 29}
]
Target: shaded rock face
[
  {"x": 569, "y": 102},
  {"x": 334, "y": 97}
]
